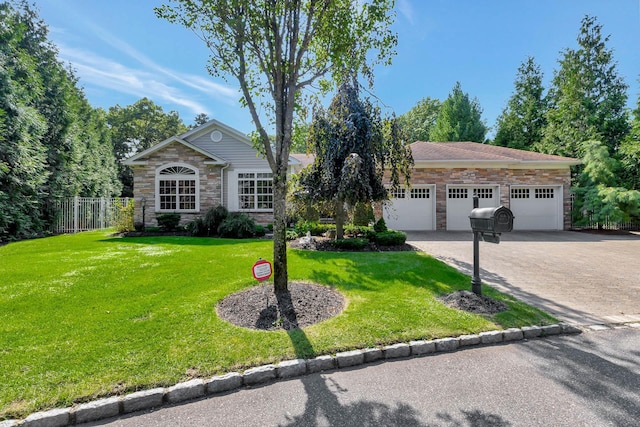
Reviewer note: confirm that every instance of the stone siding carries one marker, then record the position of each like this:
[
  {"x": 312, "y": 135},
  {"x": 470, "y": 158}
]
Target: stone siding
[
  {"x": 505, "y": 178},
  {"x": 144, "y": 181}
]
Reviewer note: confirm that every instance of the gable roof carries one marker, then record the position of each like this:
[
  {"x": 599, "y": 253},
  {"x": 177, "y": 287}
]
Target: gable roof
[
  {"x": 136, "y": 159},
  {"x": 463, "y": 154},
  {"x": 191, "y": 135},
  {"x": 425, "y": 153}
]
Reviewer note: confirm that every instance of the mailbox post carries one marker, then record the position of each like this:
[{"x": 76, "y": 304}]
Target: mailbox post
[{"x": 487, "y": 224}]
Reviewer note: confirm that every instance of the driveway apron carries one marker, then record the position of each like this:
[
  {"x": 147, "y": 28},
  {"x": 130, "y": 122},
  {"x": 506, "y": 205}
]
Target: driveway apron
[{"x": 579, "y": 277}]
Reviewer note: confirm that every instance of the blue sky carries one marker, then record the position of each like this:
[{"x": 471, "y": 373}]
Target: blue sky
[{"x": 122, "y": 52}]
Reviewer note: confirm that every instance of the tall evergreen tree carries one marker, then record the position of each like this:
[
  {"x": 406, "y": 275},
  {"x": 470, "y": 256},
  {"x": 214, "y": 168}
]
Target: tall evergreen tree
[
  {"x": 587, "y": 97},
  {"x": 418, "y": 122},
  {"x": 50, "y": 143},
  {"x": 629, "y": 153},
  {"x": 459, "y": 119},
  {"x": 522, "y": 122}
]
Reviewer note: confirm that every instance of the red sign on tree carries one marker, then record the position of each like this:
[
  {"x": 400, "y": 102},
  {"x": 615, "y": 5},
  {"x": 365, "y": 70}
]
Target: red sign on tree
[{"x": 262, "y": 270}]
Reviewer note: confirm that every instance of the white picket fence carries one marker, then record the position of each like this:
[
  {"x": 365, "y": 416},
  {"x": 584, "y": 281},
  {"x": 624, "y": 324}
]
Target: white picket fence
[{"x": 75, "y": 214}]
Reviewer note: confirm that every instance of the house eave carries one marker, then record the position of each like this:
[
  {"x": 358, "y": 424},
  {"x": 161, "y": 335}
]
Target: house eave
[{"x": 494, "y": 164}]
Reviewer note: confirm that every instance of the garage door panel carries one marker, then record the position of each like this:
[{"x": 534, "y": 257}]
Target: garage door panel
[
  {"x": 411, "y": 210},
  {"x": 460, "y": 203},
  {"x": 536, "y": 208}
]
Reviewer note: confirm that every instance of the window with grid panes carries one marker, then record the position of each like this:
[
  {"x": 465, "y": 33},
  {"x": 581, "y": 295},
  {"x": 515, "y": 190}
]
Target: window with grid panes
[
  {"x": 543, "y": 193},
  {"x": 419, "y": 193},
  {"x": 177, "y": 189},
  {"x": 519, "y": 193},
  {"x": 484, "y": 193},
  {"x": 458, "y": 193},
  {"x": 397, "y": 194},
  {"x": 255, "y": 191}
]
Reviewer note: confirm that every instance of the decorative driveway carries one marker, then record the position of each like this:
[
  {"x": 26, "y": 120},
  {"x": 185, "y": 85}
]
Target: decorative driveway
[{"x": 579, "y": 277}]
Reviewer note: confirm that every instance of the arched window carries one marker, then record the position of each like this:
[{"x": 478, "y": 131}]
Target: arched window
[{"x": 177, "y": 188}]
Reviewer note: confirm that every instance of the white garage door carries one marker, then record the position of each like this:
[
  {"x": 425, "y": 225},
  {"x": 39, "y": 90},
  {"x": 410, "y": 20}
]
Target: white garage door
[
  {"x": 411, "y": 210},
  {"x": 536, "y": 208},
  {"x": 460, "y": 203}
]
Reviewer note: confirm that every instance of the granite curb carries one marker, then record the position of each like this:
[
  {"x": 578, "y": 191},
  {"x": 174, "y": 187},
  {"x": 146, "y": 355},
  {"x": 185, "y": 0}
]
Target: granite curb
[{"x": 198, "y": 388}]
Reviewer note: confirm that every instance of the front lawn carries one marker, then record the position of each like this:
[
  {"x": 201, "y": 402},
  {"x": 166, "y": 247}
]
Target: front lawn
[{"x": 89, "y": 315}]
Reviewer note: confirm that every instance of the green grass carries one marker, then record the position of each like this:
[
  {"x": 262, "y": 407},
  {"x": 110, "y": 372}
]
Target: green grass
[{"x": 89, "y": 315}]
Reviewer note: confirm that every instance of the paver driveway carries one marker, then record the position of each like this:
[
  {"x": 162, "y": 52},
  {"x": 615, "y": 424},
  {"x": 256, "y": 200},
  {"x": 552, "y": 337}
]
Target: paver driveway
[{"x": 579, "y": 277}]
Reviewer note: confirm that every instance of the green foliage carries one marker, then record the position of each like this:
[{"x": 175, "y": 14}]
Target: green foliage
[
  {"x": 380, "y": 226},
  {"x": 587, "y": 98},
  {"x": 53, "y": 144},
  {"x": 522, "y": 122},
  {"x": 629, "y": 154},
  {"x": 359, "y": 231},
  {"x": 315, "y": 228},
  {"x": 214, "y": 217},
  {"x": 390, "y": 238},
  {"x": 363, "y": 214},
  {"x": 459, "y": 119},
  {"x": 351, "y": 244},
  {"x": 418, "y": 122},
  {"x": 259, "y": 231},
  {"x": 238, "y": 225},
  {"x": 197, "y": 227},
  {"x": 168, "y": 221},
  {"x": 123, "y": 221},
  {"x": 135, "y": 128},
  {"x": 291, "y": 234}
]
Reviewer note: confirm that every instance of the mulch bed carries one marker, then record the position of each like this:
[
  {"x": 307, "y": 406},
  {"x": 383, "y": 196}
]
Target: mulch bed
[
  {"x": 468, "y": 301},
  {"x": 326, "y": 244},
  {"x": 260, "y": 308}
]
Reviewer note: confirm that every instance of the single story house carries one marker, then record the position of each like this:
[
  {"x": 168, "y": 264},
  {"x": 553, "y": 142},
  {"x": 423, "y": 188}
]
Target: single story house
[
  {"x": 208, "y": 166},
  {"x": 215, "y": 164}
]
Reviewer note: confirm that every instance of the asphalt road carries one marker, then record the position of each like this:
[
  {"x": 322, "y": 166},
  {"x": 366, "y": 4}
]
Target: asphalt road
[{"x": 592, "y": 379}]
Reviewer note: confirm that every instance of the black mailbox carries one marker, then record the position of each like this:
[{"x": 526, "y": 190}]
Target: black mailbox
[{"x": 491, "y": 220}]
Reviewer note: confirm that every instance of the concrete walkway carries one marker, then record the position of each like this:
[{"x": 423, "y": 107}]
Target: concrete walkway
[{"x": 581, "y": 278}]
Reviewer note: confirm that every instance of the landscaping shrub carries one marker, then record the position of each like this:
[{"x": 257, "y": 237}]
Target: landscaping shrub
[
  {"x": 390, "y": 238},
  {"x": 168, "y": 221},
  {"x": 291, "y": 235},
  {"x": 380, "y": 226},
  {"x": 237, "y": 225},
  {"x": 351, "y": 244},
  {"x": 316, "y": 229},
  {"x": 198, "y": 228},
  {"x": 214, "y": 217},
  {"x": 363, "y": 214},
  {"x": 123, "y": 221},
  {"x": 359, "y": 231},
  {"x": 259, "y": 231}
]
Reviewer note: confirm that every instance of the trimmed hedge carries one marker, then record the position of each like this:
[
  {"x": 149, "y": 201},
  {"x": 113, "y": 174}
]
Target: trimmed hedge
[{"x": 390, "y": 238}]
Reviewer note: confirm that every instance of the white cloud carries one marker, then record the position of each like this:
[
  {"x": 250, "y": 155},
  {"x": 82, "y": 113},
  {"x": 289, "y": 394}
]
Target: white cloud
[
  {"x": 103, "y": 72},
  {"x": 405, "y": 8}
]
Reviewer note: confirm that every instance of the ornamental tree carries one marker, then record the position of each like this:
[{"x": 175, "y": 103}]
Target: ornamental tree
[
  {"x": 277, "y": 48},
  {"x": 353, "y": 147}
]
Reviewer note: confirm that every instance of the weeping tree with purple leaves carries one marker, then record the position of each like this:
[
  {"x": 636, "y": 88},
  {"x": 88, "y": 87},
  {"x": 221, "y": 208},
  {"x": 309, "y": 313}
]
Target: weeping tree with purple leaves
[{"x": 354, "y": 147}]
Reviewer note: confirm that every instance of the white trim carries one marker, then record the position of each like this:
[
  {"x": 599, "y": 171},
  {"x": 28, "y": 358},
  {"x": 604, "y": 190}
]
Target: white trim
[
  {"x": 559, "y": 199},
  {"x": 159, "y": 177},
  {"x": 233, "y": 199},
  {"x": 389, "y": 210},
  {"x": 496, "y": 200},
  {"x": 134, "y": 160}
]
